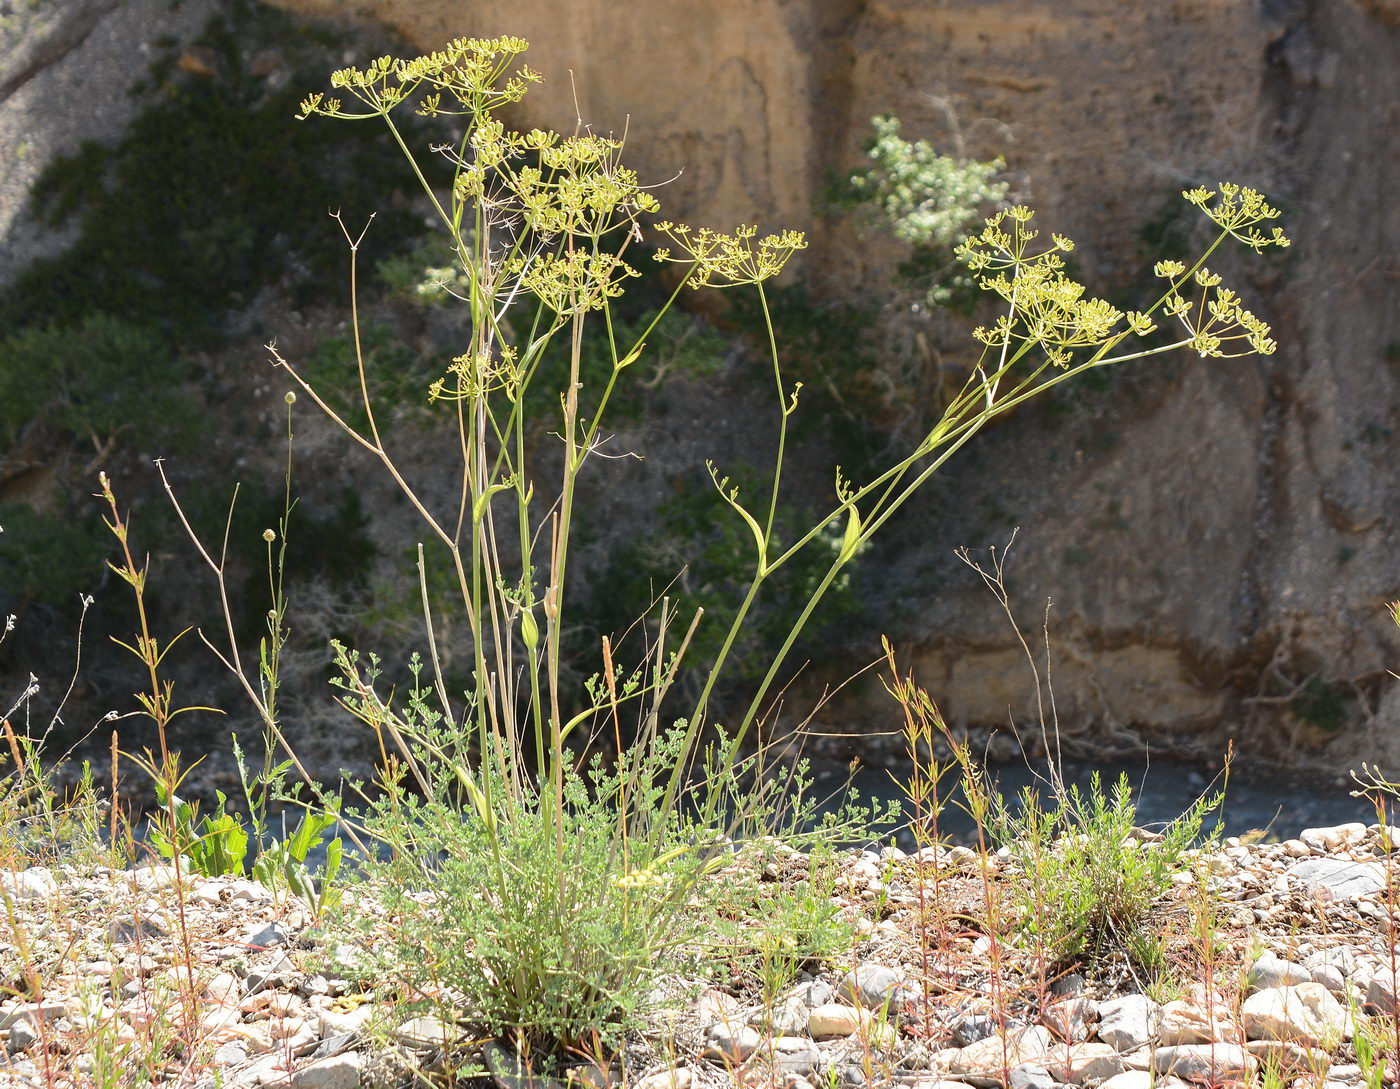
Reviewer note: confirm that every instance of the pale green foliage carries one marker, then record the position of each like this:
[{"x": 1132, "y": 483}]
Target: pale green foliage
[
  {"x": 924, "y": 197},
  {"x": 1089, "y": 878},
  {"x": 772, "y": 930},
  {"x": 927, "y": 200}
]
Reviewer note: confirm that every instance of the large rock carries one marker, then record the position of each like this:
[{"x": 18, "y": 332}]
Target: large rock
[
  {"x": 1306, "y": 1014},
  {"x": 1128, "y": 1023},
  {"x": 336, "y": 1072},
  {"x": 35, "y": 883},
  {"x": 1270, "y": 970},
  {"x": 871, "y": 985},
  {"x": 1206, "y": 1064},
  {"x": 1336, "y": 837},
  {"x": 990, "y": 1061},
  {"x": 1337, "y": 878},
  {"x": 1193, "y": 1020},
  {"x": 834, "y": 1020},
  {"x": 1079, "y": 1063}
]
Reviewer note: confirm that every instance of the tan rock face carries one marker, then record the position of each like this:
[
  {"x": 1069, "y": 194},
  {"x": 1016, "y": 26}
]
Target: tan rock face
[{"x": 1219, "y": 531}]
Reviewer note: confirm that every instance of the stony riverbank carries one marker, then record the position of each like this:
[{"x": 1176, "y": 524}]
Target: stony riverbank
[{"x": 127, "y": 977}]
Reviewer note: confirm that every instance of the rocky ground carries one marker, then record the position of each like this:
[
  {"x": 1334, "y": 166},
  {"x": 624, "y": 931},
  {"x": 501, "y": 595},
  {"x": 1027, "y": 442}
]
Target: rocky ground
[{"x": 131, "y": 977}]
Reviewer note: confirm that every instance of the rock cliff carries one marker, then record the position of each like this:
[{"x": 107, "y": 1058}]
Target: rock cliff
[{"x": 1218, "y": 539}]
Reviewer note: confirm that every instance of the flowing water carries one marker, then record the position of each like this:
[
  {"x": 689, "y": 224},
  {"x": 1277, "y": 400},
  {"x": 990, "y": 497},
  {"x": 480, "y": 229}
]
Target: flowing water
[{"x": 1162, "y": 789}]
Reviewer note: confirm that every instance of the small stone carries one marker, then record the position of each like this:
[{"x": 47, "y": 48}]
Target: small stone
[
  {"x": 126, "y": 929},
  {"x": 249, "y": 892},
  {"x": 673, "y": 1078},
  {"x": 1330, "y": 978},
  {"x": 1272, "y": 971},
  {"x": 142, "y": 967},
  {"x": 51, "y": 1009},
  {"x": 334, "y": 1045},
  {"x": 870, "y": 985},
  {"x": 257, "y": 1037},
  {"x": 1207, "y": 1064},
  {"x": 787, "y": 1017},
  {"x": 294, "y": 1035},
  {"x": 159, "y": 875},
  {"x": 815, "y": 993},
  {"x": 834, "y": 1020},
  {"x": 1127, "y": 1023},
  {"x": 1335, "y": 838},
  {"x": 1071, "y": 1019},
  {"x": 713, "y": 1005},
  {"x": 220, "y": 1017},
  {"x": 1381, "y": 990},
  {"x": 266, "y": 937},
  {"x": 971, "y": 1029},
  {"x": 341, "y": 1021},
  {"x": 336, "y": 1072},
  {"x": 1030, "y": 1076},
  {"x": 209, "y": 893},
  {"x": 264, "y": 1070},
  {"x": 22, "y": 1036},
  {"x": 225, "y": 989},
  {"x": 231, "y": 1054},
  {"x": 794, "y": 1055},
  {"x": 426, "y": 1032},
  {"x": 729, "y": 1042},
  {"x": 1306, "y": 1014},
  {"x": 1343, "y": 958}
]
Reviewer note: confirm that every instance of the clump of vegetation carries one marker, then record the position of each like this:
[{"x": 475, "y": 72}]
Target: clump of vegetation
[
  {"x": 1091, "y": 878},
  {"x": 560, "y": 876},
  {"x": 548, "y": 850},
  {"x": 200, "y": 204},
  {"x": 204, "y": 198},
  {"x": 926, "y": 200}
]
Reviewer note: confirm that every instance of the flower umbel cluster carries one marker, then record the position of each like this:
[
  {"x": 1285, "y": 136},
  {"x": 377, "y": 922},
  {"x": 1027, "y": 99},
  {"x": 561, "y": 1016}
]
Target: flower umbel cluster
[
  {"x": 1049, "y": 311},
  {"x": 728, "y": 260},
  {"x": 475, "y": 375},
  {"x": 573, "y": 281},
  {"x": 1238, "y": 210},
  {"x": 473, "y": 71},
  {"x": 1045, "y": 307},
  {"x": 1218, "y": 318}
]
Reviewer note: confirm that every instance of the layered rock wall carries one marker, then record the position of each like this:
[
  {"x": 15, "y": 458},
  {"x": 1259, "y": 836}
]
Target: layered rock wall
[{"x": 1218, "y": 538}]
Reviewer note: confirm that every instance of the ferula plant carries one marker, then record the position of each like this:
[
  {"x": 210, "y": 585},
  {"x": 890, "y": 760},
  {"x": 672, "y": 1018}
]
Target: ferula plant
[{"x": 575, "y": 876}]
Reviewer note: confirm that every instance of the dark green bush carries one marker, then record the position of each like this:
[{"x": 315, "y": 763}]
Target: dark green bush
[{"x": 95, "y": 379}]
